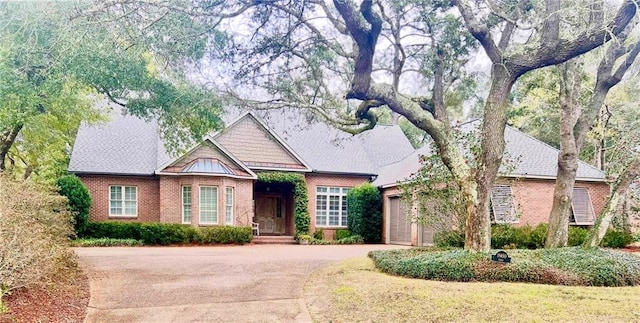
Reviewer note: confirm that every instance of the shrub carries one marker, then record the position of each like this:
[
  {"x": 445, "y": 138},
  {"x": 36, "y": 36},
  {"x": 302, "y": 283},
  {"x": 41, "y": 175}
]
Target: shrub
[
  {"x": 510, "y": 237},
  {"x": 342, "y": 233},
  {"x": 352, "y": 239},
  {"x": 318, "y": 234},
  {"x": 636, "y": 237},
  {"x": 79, "y": 201},
  {"x": 616, "y": 239},
  {"x": 34, "y": 230},
  {"x": 169, "y": 233},
  {"x": 565, "y": 266},
  {"x": 577, "y": 236},
  {"x": 225, "y": 235},
  {"x": 365, "y": 212},
  {"x": 450, "y": 238},
  {"x": 320, "y": 242},
  {"x": 106, "y": 242}
]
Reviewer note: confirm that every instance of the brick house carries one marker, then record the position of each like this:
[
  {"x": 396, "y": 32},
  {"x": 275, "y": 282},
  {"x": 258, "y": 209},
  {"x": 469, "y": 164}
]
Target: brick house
[
  {"x": 131, "y": 177},
  {"x": 521, "y": 197}
]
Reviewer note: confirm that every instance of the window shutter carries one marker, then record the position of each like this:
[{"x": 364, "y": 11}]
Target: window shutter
[
  {"x": 582, "y": 207},
  {"x": 502, "y": 206}
]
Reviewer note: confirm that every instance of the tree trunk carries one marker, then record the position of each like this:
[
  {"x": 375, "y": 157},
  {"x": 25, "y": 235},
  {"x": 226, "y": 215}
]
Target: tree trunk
[
  {"x": 7, "y": 139},
  {"x": 613, "y": 205},
  {"x": 478, "y": 225},
  {"x": 558, "y": 232}
]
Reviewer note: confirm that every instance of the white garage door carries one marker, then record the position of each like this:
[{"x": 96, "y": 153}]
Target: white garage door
[{"x": 399, "y": 222}]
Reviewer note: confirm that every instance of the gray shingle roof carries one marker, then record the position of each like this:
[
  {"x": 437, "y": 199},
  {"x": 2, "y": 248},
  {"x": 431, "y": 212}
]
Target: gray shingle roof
[
  {"x": 124, "y": 145},
  {"x": 327, "y": 149},
  {"x": 533, "y": 159},
  {"x": 537, "y": 159},
  {"x": 129, "y": 145}
]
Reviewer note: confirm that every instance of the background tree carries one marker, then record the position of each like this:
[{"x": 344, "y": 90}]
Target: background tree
[
  {"x": 54, "y": 70},
  {"x": 577, "y": 121}
]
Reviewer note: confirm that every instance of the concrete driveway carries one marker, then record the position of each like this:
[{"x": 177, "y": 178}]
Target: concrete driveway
[{"x": 253, "y": 283}]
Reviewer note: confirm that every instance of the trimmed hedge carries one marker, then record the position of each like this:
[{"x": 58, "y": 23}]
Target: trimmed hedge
[
  {"x": 509, "y": 237},
  {"x": 106, "y": 242},
  {"x": 151, "y": 233},
  {"x": 364, "y": 214},
  {"x": 559, "y": 266}
]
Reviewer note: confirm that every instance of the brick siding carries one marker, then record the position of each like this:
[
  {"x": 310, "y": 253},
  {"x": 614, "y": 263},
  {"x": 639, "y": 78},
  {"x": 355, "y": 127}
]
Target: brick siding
[
  {"x": 533, "y": 199},
  {"x": 315, "y": 180},
  {"x": 148, "y": 189},
  {"x": 160, "y": 197}
]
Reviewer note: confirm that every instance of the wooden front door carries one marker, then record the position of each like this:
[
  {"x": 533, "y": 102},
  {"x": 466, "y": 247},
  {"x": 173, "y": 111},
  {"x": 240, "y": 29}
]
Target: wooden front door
[{"x": 270, "y": 214}]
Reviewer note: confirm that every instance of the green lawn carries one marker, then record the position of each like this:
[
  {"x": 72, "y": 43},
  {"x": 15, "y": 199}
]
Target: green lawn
[{"x": 355, "y": 291}]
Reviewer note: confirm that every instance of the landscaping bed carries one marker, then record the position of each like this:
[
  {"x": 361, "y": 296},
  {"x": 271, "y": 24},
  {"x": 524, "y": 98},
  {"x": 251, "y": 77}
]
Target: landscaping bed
[
  {"x": 65, "y": 300},
  {"x": 561, "y": 266}
]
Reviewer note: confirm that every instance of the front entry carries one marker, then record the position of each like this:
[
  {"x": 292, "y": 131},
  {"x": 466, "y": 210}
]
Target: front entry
[{"x": 270, "y": 214}]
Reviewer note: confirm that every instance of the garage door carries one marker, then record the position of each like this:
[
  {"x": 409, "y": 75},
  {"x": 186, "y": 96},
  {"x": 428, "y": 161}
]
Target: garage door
[
  {"x": 399, "y": 222},
  {"x": 426, "y": 235}
]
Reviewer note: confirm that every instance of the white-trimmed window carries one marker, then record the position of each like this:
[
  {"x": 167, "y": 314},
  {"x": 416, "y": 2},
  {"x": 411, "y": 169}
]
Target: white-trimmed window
[
  {"x": 186, "y": 204},
  {"x": 208, "y": 205},
  {"x": 581, "y": 207},
  {"x": 228, "y": 205},
  {"x": 503, "y": 209},
  {"x": 123, "y": 201},
  {"x": 331, "y": 206}
]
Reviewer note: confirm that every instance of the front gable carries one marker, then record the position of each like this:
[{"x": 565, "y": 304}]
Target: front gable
[
  {"x": 207, "y": 158},
  {"x": 253, "y": 143}
]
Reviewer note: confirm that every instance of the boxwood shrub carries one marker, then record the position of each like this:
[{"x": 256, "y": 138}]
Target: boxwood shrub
[
  {"x": 152, "y": 233},
  {"x": 562, "y": 266}
]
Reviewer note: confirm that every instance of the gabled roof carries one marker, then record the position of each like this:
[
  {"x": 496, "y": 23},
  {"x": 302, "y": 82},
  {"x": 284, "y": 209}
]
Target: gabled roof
[
  {"x": 532, "y": 159},
  {"x": 258, "y": 146},
  {"x": 128, "y": 145},
  {"x": 237, "y": 169},
  {"x": 329, "y": 150}
]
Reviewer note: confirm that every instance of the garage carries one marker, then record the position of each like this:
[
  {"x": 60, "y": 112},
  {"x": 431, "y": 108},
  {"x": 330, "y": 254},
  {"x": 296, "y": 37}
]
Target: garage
[
  {"x": 399, "y": 222},
  {"x": 426, "y": 235}
]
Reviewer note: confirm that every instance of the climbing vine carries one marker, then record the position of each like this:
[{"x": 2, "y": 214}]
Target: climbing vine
[{"x": 300, "y": 197}]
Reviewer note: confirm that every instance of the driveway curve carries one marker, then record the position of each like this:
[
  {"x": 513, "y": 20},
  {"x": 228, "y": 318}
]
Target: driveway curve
[{"x": 252, "y": 283}]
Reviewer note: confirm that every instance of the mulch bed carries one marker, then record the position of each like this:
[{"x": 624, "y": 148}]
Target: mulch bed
[
  {"x": 63, "y": 301},
  {"x": 631, "y": 249}
]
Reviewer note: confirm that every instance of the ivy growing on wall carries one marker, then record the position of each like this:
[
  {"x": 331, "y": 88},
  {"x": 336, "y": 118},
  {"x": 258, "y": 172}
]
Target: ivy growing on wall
[{"x": 300, "y": 197}]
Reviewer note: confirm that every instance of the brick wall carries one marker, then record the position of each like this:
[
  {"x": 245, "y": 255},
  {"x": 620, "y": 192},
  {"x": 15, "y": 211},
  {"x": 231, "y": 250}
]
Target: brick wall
[
  {"x": 315, "y": 180},
  {"x": 534, "y": 197},
  {"x": 148, "y": 189},
  {"x": 171, "y": 198}
]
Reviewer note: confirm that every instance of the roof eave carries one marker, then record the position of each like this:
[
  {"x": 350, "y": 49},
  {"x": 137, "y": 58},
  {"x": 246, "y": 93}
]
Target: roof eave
[
  {"x": 277, "y": 169},
  {"x": 252, "y": 176}
]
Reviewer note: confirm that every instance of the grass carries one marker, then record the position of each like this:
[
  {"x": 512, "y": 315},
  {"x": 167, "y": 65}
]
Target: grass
[{"x": 354, "y": 291}]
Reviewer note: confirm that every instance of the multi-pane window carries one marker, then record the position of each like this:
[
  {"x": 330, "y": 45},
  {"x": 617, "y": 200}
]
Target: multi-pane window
[
  {"x": 186, "y": 204},
  {"x": 228, "y": 204},
  {"x": 123, "y": 200},
  {"x": 208, "y": 205},
  {"x": 331, "y": 206}
]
